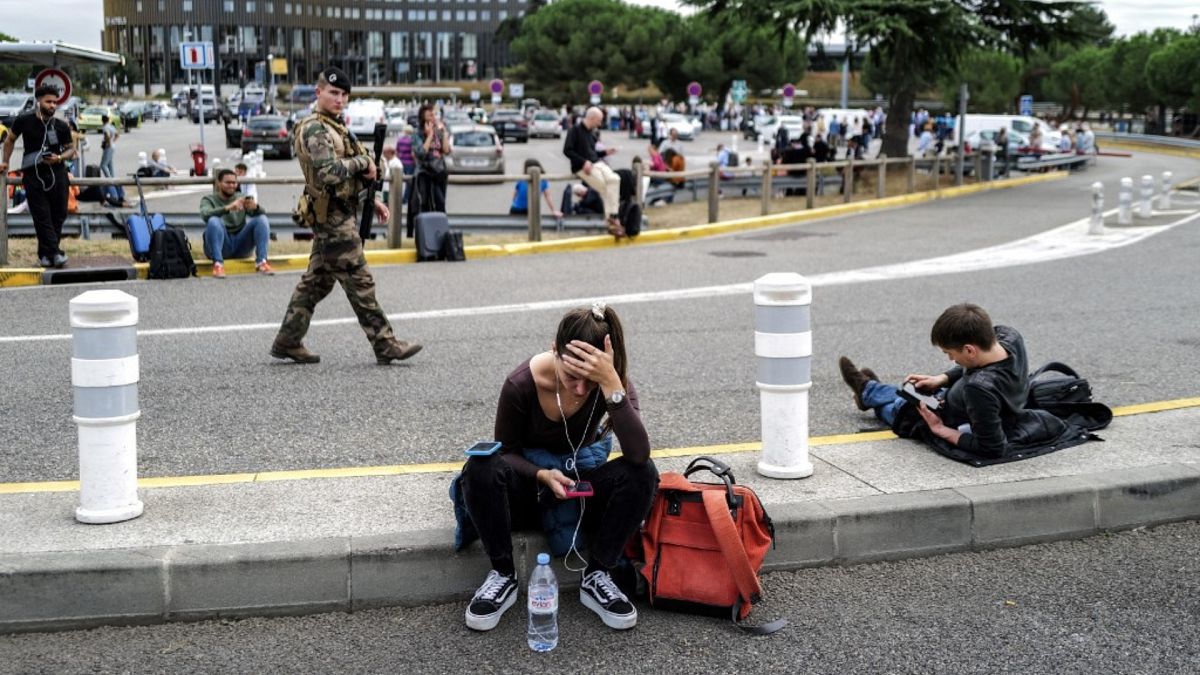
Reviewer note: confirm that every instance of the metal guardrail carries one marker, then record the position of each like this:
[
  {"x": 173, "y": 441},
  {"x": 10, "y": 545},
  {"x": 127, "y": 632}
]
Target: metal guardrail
[{"x": 1171, "y": 141}]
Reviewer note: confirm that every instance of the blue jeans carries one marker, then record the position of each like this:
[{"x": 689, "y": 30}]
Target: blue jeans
[
  {"x": 106, "y": 163},
  {"x": 220, "y": 242},
  {"x": 884, "y": 399}
]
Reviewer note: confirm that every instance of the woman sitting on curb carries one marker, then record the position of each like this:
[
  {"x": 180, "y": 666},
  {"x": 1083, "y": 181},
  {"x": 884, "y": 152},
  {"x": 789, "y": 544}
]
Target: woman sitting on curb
[{"x": 548, "y": 422}]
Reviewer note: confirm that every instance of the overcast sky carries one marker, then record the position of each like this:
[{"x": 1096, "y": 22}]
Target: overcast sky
[{"x": 80, "y": 21}]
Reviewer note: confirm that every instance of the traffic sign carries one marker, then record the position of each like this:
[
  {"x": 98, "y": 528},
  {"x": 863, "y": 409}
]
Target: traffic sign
[
  {"x": 595, "y": 87},
  {"x": 738, "y": 91},
  {"x": 1026, "y": 107},
  {"x": 55, "y": 78},
  {"x": 516, "y": 90},
  {"x": 694, "y": 89},
  {"x": 196, "y": 55},
  {"x": 496, "y": 87}
]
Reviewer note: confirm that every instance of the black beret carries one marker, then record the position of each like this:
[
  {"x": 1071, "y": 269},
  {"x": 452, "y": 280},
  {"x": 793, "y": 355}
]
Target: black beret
[{"x": 336, "y": 78}]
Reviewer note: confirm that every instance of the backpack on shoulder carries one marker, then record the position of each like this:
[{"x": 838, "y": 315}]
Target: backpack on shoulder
[
  {"x": 141, "y": 226},
  {"x": 171, "y": 254},
  {"x": 703, "y": 545}
]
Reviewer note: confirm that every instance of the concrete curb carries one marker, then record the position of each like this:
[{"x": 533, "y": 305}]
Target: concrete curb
[
  {"x": 12, "y": 277},
  {"x": 71, "y": 590}
]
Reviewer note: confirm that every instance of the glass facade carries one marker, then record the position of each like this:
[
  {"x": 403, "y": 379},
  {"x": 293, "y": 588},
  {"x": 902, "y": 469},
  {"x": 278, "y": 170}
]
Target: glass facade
[{"x": 375, "y": 41}]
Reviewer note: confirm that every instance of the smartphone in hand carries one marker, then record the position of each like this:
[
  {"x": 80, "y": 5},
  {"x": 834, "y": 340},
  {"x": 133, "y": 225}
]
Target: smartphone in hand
[{"x": 579, "y": 489}]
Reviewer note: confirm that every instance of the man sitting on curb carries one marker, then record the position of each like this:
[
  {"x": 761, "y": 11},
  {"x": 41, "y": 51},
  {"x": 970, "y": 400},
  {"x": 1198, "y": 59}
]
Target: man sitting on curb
[
  {"x": 981, "y": 417},
  {"x": 234, "y": 224}
]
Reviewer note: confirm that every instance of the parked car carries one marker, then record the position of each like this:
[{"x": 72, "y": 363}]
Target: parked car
[
  {"x": 478, "y": 115},
  {"x": 91, "y": 118},
  {"x": 131, "y": 113},
  {"x": 545, "y": 123},
  {"x": 302, "y": 94},
  {"x": 12, "y": 105},
  {"x": 396, "y": 121},
  {"x": 269, "y": 133},
  {"x": 752, "y": 128},
  {"x": 453, "y": 117},
  {"x": 164, "y": 111},
  {"x": 477, "y": 149},
  {"x": 362, "y": 116},
  {"x": 510, "y": 123},
  {"x": 679, "y": 123},
  {"x": 212, "y": 110}
]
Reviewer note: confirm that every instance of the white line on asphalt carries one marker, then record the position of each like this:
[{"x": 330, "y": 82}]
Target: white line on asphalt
[{"x": 1066, "y": 241}]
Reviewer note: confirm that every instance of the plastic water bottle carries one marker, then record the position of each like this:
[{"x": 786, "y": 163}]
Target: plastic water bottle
[{"x": 543, "y": 606}]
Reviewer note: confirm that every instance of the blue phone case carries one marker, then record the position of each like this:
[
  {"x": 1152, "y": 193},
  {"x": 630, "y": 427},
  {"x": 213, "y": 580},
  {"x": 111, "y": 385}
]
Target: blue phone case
[{"x": 475, "y": 451}]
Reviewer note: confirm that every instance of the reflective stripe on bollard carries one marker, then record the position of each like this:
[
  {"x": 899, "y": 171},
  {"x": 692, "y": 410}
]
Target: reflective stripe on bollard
[
  {"x": 1096, "y": 223},
  {"x": 1125, "y": 203},
  {"x": 1147, "y": 203},
  {"x": 1164, "y": 199},
  {"x": 104, "y": 374},
  {"x": 783, "y": 350}
]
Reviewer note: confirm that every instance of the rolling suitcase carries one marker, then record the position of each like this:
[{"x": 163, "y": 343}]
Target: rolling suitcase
[
  {"x": 431, "y": 228},
  {"x": 140, "y": 226}
]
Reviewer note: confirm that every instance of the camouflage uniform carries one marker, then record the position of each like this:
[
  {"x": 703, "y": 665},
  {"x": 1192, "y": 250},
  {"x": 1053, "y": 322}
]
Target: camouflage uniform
[{"x": 332, "y": 161}]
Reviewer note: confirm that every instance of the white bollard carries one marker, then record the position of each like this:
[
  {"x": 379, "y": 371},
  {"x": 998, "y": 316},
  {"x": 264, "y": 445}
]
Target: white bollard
[
  {"x": 1125, "y": 202},
  {"x": 1147, "y": 203},
  {"x": 733, "y": 142},
  {"x": 1096, "y": 223},
  {"x": 104, "y": 375},
  {"x": 1164, "y": 199},
  {"x": 783, "y": 349}
]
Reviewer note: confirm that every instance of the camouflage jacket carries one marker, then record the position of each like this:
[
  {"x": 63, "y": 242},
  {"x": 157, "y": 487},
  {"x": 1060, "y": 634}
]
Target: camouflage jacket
[{"x": 331, "y": 159}]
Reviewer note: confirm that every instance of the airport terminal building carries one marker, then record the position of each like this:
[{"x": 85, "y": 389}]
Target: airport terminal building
[{"x": 375, "y": 41}]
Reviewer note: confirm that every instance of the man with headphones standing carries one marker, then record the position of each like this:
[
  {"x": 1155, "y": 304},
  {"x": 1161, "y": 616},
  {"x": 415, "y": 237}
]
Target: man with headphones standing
[{"x": 47, "y": 146}]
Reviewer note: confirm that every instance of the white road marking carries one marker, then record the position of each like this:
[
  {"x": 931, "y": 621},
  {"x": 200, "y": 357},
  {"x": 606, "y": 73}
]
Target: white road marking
[{"x": 1066, "y": 241}]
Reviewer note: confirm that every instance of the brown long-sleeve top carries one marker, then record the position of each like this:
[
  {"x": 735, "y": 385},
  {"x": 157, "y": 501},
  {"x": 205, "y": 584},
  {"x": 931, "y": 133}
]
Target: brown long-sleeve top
[{"x": 521, "y": 423}]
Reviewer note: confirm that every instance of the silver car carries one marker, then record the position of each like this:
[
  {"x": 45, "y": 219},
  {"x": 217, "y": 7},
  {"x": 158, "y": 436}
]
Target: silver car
[
  {"x": 545, "y": 123},
  {"x": 476, "y": 149}
]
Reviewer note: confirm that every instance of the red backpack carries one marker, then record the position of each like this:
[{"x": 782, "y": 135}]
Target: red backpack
[{"x": 703, "y": 545}]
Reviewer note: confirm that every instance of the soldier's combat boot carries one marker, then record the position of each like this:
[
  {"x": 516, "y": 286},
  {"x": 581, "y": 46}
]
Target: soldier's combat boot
[
  {"x": 395, "y": 350},
  {"x": 296, "y": 352}
]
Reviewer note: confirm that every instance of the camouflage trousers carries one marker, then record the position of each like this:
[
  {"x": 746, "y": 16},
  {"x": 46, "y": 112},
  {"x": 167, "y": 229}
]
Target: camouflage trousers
[{"x": 337, "y": 256}]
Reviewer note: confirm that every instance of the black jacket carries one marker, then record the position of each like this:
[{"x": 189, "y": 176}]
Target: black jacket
[{"x": 580, "y": 147}]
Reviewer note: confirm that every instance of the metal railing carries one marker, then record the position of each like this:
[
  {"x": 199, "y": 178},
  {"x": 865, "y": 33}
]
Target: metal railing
[
  {"x": 766, "y": 178},
  {"x": 1149, "y": 139}
]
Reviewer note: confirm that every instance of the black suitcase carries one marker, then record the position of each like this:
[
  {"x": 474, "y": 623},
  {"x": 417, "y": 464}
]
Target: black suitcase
[{"x": 431, "y": 228}]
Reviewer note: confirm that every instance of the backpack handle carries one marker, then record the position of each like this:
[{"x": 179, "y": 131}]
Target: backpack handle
[
  {"x": 1056, "y": 367},
  {"x": 719, "y": 469}
]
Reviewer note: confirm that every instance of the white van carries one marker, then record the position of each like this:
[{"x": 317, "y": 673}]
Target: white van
[
  {"x": 843, "y": 115},
  {"x": 1020, "y": 127},
  {"x": 362, "y": 115}
]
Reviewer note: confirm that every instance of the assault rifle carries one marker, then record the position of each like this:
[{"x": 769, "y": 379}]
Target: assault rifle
[{"x": 368, "y": 214}]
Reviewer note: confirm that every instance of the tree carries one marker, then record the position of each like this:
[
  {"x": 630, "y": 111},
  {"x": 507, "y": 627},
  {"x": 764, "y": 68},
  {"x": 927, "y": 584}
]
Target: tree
[
  {"x": 12, "y": 77},
  {"x": 1127, "y": 68},
  {"x": 1171, "y": 72},
  {"x": 1080, "y": 80},
  {"x": 571, "y": 42},
  {"x": 915, "y": 42},
  {"x": 716, "y": 50},
  {"x": 993, "y": 79}
]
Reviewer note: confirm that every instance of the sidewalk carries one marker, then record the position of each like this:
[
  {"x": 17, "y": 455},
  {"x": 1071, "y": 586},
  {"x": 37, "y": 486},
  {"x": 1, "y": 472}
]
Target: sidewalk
[{"x": 307, "y": 545}]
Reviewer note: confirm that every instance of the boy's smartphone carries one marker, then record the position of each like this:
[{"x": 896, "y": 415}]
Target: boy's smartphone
[
  {"x": 483, "y": 448},
  {"x": 910, "y": 393},
  {"x": 579, "y": 489}
]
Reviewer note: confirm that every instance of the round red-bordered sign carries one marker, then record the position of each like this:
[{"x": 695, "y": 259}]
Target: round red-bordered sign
[
  {"x": 595, "y": 87},
  {"x": 57, "y": 78},
  {"x": 496, "y": 86}
]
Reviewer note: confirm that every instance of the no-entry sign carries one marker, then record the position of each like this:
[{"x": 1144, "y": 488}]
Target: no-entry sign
[{"x": 55, "y": 78}]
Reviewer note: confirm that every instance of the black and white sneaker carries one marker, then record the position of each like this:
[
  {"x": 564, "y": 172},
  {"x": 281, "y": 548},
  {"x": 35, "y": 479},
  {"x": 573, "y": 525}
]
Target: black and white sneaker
[
  {"x": 491, "y": 601},
  {"x": 599, "y": 593}
]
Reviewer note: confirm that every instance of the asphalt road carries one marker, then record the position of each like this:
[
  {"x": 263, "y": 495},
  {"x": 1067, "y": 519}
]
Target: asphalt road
[
  {"x": 1121, "y": 603},
  {"x": 214, "y": 402}
]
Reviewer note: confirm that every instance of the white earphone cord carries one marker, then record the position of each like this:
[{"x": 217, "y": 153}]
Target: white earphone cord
[{"x": 575, "y": 466}]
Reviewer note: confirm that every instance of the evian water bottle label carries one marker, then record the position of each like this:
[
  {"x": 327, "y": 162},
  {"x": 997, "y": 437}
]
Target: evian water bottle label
[{"x": 543, "y": 603}]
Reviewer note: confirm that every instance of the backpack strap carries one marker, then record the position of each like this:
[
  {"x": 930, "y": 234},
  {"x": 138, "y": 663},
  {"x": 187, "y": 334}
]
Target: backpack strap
[
  {"x": 749, "y": 588},
  {"x": 1056, "y": 367}
]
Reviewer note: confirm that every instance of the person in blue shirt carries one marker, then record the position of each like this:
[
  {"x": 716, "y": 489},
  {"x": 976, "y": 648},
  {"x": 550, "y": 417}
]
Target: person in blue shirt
[{"x": 520, "y": 202}]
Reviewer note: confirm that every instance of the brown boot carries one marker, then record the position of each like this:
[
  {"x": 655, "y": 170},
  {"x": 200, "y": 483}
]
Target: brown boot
[
  {"x": 855, "y": 379},
  {"x": 395, "y": 350},
  {"x": 296, "y": 352}
]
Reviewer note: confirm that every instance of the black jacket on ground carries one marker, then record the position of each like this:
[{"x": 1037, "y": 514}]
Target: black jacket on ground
[{"x": 580, "y": 147}]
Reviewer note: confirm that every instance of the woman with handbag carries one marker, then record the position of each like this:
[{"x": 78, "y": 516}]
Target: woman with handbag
[
  {"x": 551, "y": 443},
  {"x": 430, "y": 146}
]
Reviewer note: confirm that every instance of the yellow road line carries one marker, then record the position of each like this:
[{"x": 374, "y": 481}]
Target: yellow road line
[{"x": 449, "y": 467}]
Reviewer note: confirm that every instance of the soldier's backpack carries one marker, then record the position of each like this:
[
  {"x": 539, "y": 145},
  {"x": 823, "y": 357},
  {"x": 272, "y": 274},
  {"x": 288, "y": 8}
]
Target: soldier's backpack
[{"x": 171, "y": 254}]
